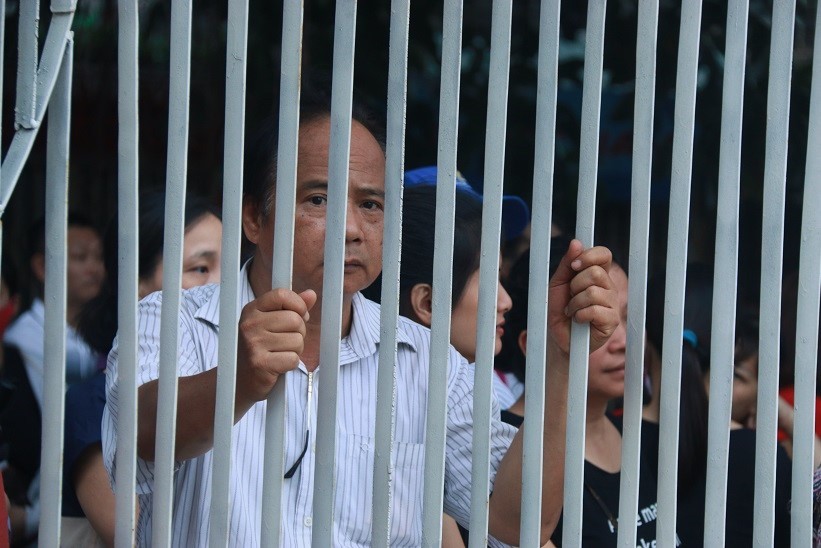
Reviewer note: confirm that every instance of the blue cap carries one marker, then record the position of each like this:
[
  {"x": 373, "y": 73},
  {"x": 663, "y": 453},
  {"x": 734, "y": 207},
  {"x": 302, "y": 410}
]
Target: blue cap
[{"x": 515, "y": 213}]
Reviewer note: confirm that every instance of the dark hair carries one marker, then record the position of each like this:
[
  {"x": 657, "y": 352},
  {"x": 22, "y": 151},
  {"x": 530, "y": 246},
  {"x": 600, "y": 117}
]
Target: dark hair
[
  {"x": 698, "y": 309},
  {"x": 418, "y": 212},
  {"x": 692, "y": 436},
  {"x": 511, "y": 358},
  {"x": 98, "y": 319},
  {"x": 789, "y": 326},
  {"x": 692, "y": 449},
  {"x": 259, "y": 181}
]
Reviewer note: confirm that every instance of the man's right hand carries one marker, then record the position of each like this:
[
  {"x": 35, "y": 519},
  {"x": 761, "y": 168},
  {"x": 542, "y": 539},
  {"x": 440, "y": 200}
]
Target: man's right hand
[{"x": 271, "y": 339}]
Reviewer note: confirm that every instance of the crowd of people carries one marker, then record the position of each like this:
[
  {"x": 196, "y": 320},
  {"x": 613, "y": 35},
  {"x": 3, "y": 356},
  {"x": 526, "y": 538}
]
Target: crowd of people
[{"x": 279, "y": 334}]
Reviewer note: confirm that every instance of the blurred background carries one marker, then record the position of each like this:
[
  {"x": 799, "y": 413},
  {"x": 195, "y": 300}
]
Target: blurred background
[{"x": 94, "y": 135}]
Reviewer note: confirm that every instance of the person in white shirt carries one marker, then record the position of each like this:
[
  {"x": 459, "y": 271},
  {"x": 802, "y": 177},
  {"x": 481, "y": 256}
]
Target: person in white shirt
[
  {"x": 279, "y": 334},
  {"x": 85, "y": 273}
]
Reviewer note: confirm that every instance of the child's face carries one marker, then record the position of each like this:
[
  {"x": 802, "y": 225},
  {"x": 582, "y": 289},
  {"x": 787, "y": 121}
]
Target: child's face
[{"x": 745, "y": 390}]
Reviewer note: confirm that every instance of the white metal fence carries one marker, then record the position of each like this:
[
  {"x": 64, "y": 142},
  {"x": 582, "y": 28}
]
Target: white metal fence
[{"x": 46, "y": 83}]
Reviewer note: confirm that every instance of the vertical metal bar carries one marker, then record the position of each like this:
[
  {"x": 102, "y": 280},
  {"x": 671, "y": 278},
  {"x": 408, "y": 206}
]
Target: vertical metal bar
[
  {"x": 489, "y": 267},
  {"x": 288, "y": 141},
  {"x": 585, "y": 218},
  {"x": 809, "y": 304},
  {"x": 54, "y": 381},
  {"x": 647, "y": 36},
  {"x": 334, "y": 276},
  {"x": 535, "y": 372},
  {"x": 676, "y": 269},
  {"x": 128, "y": 245},
  {"x": 235, "y": 78},
  {"x": 726, "y": 264},
  {"x": 178, "y": 117},
  {"x": 28, "y": 37},
  {"x": 391, "y": 258},
  {"x": 772, "y": 252},
  {"x": 433, "y": 490}
]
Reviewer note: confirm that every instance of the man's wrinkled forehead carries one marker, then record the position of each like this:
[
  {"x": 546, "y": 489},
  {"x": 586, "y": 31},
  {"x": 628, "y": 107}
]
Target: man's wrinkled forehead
[{"x": 366, "y": 161}]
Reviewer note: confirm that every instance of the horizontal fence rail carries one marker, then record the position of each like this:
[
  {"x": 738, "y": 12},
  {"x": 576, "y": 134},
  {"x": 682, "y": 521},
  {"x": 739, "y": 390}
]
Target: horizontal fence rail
[{"x": 310, "y": 507}]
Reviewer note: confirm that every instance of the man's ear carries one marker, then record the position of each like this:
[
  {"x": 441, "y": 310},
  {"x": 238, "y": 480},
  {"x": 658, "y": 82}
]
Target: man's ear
[
  {"x": 38, "y": 267},
  {"x": 421, "y": 303},
  {"x": 251, "y": 220},
  {"x": 522, "y": 340}
]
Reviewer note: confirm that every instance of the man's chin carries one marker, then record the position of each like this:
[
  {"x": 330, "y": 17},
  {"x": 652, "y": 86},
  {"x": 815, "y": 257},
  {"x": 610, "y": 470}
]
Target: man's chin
[{"x": 355, "y": 284}]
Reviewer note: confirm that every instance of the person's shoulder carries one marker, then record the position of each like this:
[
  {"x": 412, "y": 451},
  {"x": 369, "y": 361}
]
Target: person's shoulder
[
  {"x": 190, "y": 299},
  {"x": 22, "y": 328},
  {"x": 201, "y": 294},
  {"x": 742, "y": 436}
]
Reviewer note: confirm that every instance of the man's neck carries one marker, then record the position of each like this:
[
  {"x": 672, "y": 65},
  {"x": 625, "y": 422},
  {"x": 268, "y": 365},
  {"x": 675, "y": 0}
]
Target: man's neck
[{"x": 310, "y": 353}]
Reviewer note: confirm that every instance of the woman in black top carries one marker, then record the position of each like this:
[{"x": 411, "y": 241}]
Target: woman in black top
[{"x": 600, "y": 519}]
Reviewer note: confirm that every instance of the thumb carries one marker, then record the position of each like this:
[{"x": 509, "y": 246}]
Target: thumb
[
  {"x": 565, "y": 271},
  {"x": 309, "y": 297}
]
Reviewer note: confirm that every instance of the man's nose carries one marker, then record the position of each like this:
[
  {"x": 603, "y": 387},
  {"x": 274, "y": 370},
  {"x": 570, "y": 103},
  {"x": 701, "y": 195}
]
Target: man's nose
[{"x": 353, "y": 224}]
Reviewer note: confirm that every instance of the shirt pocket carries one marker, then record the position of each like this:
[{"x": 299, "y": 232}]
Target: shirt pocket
[{"x": 354, "y": 490}]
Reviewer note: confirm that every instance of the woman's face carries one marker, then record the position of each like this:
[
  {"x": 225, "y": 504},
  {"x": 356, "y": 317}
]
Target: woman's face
[
  {"x": 465, "y": 313},
  {"x": 606, "y": 372},
  {"x": 201, "y": 254}
]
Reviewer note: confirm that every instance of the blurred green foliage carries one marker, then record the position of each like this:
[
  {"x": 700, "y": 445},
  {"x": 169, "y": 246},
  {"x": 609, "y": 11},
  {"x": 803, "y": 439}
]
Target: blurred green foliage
[{"x": 94, "y": 139}]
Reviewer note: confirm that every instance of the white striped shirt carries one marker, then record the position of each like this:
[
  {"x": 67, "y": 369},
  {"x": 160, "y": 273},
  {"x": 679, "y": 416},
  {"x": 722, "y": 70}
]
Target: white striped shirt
[{"x": 356, "y": 419}]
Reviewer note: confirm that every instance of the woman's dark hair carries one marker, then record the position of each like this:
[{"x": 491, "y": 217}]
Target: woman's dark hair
[
  {"x": 789, "y": 326},
  {"x": 692, "y": 448},
  {"x": 98, "y": 319},
  {"x": 418, "y": 213},
  {"x": 692, "y": 436},
  {"x": 511, "y": 359}
]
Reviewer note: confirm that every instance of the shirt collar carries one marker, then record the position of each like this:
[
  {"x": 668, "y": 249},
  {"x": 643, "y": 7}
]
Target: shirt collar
[
  {"x": 360, "y": 343},
  {"x": 209, "y": 310},
  {"x": 364, "y": 337}
]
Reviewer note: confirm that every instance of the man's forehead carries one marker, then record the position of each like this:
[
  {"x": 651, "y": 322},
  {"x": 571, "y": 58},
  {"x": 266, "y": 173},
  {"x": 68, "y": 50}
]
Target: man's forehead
[{"x": 366, "y": 162}]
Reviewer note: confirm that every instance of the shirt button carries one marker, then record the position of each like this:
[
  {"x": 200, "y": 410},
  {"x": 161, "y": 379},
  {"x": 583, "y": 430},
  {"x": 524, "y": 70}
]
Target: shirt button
[{"x": 308, "y": 521}]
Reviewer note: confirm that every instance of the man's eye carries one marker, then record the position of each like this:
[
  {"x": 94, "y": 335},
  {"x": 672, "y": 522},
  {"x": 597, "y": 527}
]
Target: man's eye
[
  {"x": 371, "y": 205},
  {"x": 199, "y": 270},
  {"x": 317, "y": 200}
]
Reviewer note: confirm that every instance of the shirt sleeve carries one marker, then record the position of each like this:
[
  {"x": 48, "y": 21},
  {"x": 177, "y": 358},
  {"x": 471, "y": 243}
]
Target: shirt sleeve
[
  {"x": 148, "y": 358},
  {"x": 459, "y": 442}
]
